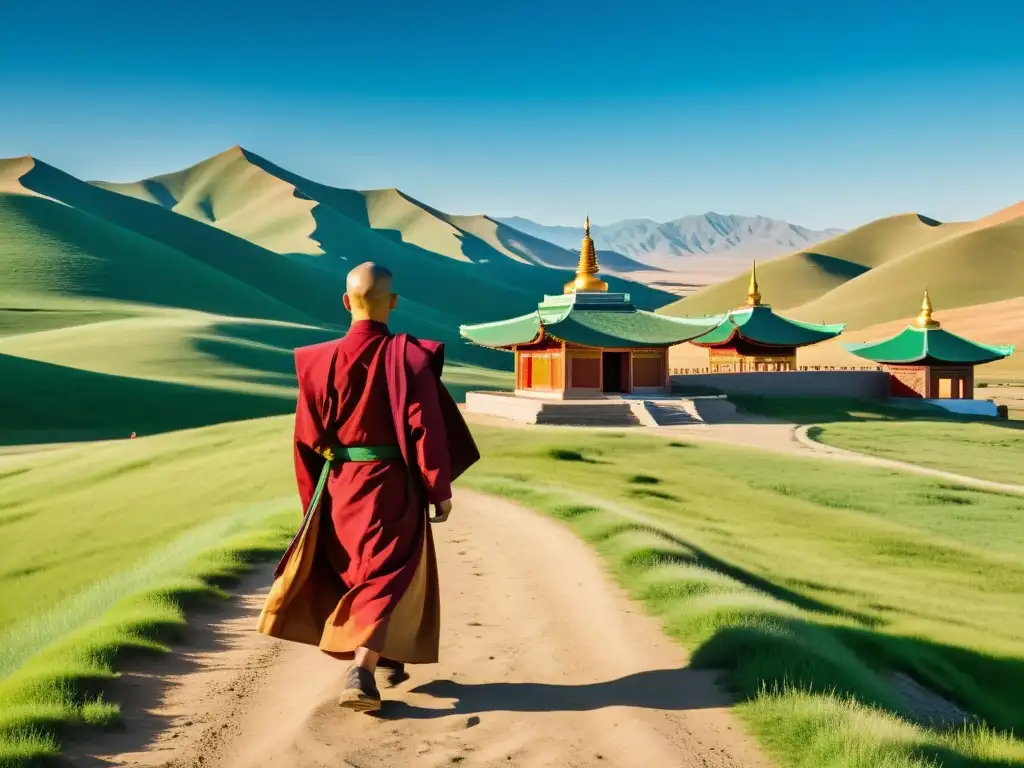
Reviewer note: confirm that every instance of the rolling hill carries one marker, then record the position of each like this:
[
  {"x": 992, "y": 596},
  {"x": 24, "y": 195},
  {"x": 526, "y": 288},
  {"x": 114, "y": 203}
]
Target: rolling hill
[
  {"x": 872, "y": 278},
  {"x": 167, "y": 299},
  {"x": 659, "y": 244},
  {"x": 242, "y": 193}
]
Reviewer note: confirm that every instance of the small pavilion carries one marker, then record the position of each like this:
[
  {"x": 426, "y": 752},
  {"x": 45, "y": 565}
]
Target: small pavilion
[
  {"x": 754, "y": 337},
  {"x": 926, "y": 361},
  {"x": 588, "y": 342}
]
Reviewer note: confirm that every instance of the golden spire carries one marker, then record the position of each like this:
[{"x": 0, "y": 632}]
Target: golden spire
[
  {"x": 753, "y": 294},
  {"x": 924, "y": 319},
  {"x": 586, "y": 272}
]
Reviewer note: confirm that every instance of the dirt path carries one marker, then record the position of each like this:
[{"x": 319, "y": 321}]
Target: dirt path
[
  {"x": 823, "y": 449},
  {"x": 545, "y": 663},
  {"x": 777, "y": 436}
]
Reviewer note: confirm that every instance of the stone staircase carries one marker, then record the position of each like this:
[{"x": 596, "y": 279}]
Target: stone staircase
[
  {"x": 587, "y": 415},
  {"x": 686, "y": 411},
  {"x": 630, "y": 411},
  {"x": 673, "y": 414}
]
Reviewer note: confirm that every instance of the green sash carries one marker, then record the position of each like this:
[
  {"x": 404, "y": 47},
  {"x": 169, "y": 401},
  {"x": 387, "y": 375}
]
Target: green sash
[
  {"x": 333, "y": 456},
  {"x": 339, "y": 454}
]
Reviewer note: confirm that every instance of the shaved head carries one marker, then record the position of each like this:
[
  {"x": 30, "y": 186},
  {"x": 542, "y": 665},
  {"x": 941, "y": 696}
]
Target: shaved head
[{"x": 368, "y": 294}]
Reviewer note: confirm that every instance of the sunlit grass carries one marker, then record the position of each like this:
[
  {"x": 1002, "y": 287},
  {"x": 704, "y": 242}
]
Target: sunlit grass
[
  {"x": 810, "y": 582},
  {"x": 991, "y": 449}
]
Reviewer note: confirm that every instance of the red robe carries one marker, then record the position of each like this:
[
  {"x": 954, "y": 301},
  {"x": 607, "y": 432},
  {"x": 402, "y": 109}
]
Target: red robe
[{"x": 362, "y": 570}]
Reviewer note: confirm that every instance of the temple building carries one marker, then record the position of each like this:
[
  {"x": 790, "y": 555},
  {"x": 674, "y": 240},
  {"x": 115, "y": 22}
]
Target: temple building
[
  {"x": 755, "y": 338},
  {"x": 588, "y": 342},
  {"x": 924, "y": 360}
]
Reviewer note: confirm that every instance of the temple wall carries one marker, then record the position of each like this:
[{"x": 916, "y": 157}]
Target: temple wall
[
  {"x": 908, "y": 381},
  {"x": 945, "y": 382},
  {"x": 584, "y": 369},
  {"x": 649, "y": 368},
  {"x": 853, "y": 384}
]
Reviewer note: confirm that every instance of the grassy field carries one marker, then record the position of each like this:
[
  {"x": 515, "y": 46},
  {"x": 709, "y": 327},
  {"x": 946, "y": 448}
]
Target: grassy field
[
  {"x": 809, "y": 586},
  {"x": 992, "y": 449},
  {"x": 85, "y": 398},
  {"x": 104, "y": 546}
]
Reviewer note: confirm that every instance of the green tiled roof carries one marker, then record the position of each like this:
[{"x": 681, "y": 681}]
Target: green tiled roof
[
  {"x": 915, "y": 345},
  {"x": 760, "y": 324},
  {"x": 592, "y": 320}
]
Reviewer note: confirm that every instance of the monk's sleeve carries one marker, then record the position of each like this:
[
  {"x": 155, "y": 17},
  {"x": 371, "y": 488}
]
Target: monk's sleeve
[
  {"x": 427, "y": 431},
  {"x": 308, "y": 463}
]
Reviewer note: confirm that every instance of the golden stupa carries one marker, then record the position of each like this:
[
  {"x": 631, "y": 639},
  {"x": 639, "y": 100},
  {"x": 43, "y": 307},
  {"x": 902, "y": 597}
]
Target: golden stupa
[
  {"x": 925, "y": 319},
  {"x": 586, "y": 272},
  {"x": 753, "y": 293}
]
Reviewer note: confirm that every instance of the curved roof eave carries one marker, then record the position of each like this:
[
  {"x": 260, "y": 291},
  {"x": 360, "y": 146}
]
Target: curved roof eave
[
  {"x": 489, "y": 334},
  {"x": 988, "y": 353}
]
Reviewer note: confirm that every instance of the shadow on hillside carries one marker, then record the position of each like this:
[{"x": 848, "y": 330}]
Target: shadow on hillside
[
  {"x": 490, "y": 286},
  {"x": 281, "y": 290},
  {"x": 774, "y": 650},
  {"x": 700, "y": 557},
  {"x": 265, "y": 352},
  {"x": 18, "y": 320},
  {"x": 782, "y": 653},
  {"x": 51, "y": 403},
  {"x": 984, "y": 685},
  {"x": 831, "y": 265},
  {"x": 160, "y": 193},
  {"x": 766, "y": 647}
]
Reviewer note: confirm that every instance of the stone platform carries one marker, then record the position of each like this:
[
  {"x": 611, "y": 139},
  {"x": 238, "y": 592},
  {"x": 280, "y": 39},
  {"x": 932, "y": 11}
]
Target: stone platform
[{"x": 607, "y": 411}]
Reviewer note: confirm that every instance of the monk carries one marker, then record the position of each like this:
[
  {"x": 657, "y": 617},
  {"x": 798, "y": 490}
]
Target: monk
[{"x": 378, "y": 442}]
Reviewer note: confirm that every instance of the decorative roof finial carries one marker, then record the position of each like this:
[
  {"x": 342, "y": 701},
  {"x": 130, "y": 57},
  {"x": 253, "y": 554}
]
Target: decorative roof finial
[
  {"x": 586, "y": 272},
  {"x": 925, "y": 319},
  {"x": 753, "y": 294}
]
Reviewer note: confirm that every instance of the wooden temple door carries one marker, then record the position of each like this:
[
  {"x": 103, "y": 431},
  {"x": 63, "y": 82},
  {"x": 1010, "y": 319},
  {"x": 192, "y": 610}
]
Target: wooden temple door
[{"x": 526, "y": 371}]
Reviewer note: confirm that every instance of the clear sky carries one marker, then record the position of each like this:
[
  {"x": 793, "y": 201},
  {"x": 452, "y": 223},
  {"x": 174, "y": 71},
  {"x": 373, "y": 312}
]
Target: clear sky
[{"x": 821, "y": 113}]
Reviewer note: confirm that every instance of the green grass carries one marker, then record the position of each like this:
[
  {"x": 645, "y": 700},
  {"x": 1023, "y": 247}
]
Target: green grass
[
  {"x": 74, "y": 517},
  {"x": 105, "y": 549},
  {"x": 808, "y": 585},
  {"x": 991, "y": 449},
  {"x": 100, "y": 380}
]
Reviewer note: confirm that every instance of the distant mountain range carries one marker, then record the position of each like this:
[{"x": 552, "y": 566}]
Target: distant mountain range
[{"x": 656, "y": 244}]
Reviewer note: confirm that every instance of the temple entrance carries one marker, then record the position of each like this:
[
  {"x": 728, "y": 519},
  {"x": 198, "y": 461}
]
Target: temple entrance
[{"x": 614, "y": 372}]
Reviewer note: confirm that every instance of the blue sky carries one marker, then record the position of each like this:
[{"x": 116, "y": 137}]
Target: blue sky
[{"x": 824, "y": 114}]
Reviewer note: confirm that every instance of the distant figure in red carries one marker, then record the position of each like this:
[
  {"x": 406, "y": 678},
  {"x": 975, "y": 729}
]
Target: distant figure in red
[
  {"x": 132, "y": 436},
  {"x": 378, "y": 441}
]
